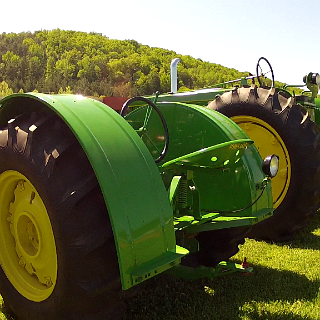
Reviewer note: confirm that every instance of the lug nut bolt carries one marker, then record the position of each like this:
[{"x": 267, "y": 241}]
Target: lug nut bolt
[
  {"x": 21, "y": 262},
  {"x": 48, "y": 282}
]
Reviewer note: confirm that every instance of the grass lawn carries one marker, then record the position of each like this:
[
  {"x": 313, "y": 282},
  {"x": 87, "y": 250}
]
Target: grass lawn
[{"x": 285, "y": 284}]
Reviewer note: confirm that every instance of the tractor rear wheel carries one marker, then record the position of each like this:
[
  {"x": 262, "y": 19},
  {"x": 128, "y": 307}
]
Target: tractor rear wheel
[
  {"x": 57, "y": 251},
  {"x": 279, "y": 126}
]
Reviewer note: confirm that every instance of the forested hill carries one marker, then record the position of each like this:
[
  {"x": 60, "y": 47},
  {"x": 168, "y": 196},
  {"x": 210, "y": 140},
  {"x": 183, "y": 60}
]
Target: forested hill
[{"x": 92, "y": 64}]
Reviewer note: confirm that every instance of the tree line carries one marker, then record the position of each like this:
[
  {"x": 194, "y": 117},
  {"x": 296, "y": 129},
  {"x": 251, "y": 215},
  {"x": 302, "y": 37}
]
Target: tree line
[{"x": 59, "y": 61}]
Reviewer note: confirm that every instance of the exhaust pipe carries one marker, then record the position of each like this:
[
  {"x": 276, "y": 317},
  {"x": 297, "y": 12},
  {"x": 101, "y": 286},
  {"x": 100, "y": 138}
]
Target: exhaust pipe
[{"x": 174, "y": 75}]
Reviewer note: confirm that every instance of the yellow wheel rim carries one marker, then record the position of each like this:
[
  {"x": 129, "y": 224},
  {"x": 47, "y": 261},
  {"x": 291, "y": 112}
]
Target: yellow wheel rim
[
  {"x": 268, "y": 142},
  {"x": 27, "y": 246}
]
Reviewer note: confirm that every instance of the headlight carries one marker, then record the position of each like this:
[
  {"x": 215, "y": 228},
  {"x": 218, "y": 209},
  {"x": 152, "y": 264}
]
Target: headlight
[
  {"x": 317, "y": 79},
  {"x": 270, "y": 165},
  {"x": 313, "y": 78}
]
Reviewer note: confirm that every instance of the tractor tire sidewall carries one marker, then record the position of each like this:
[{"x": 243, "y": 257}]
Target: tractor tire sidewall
[
  {"x": 88, "y": 279},
  {"x": 10, "y": 295},
  {"x": 301, "y": 138}
]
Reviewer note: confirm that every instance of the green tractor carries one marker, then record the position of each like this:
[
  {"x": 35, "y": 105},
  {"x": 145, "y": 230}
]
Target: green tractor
[
  {"x": 94, "y": 203},
  {"x": 281, "y": 123}
]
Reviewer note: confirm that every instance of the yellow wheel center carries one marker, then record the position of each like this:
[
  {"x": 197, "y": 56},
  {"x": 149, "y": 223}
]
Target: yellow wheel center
[
  {"x": 27, "y": 246},
  {"x": 28, "y": 235},
  {"x": 268, "y": 142}
]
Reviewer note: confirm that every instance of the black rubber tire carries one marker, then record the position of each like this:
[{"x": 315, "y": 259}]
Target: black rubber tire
[
  {"x": 88, "y": 279},
  {"x": 301, "y": 137}
]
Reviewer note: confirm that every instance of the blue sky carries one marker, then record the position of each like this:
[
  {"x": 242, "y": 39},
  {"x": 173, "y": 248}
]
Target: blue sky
[{"x": 232, "y": 33}]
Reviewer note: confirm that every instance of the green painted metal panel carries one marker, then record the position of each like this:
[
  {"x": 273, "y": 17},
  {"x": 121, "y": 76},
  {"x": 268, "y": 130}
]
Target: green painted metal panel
[
  {"x": 134, "y": 193},
  {"x": 224, "y": 222},
  {"x": 317, "y": 111},
  {"x": 199, "y": 97},
  {"x": 221, "y": 155},
  {"x": 193, "y": 128}
]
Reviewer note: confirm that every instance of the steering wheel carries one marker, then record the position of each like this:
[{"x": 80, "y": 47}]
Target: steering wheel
[
  {"x": 260, "y": 74},
  {"x": 143, "y": 131}
]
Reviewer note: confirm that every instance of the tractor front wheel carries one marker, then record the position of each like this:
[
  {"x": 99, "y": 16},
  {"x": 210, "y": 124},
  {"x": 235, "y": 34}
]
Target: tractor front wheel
[
  {"x": 57, "y": 253},
  {"x": 279, "y": 126}
]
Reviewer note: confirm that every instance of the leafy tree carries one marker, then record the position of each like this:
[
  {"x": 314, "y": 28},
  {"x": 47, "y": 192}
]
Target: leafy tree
[
  {"x": 90, "y": 63},
  {"x": 67, "y": 90},
  {"x": 5, "y": 90}
]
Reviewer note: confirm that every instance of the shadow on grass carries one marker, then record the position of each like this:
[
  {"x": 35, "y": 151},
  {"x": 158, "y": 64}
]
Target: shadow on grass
[
  {"x": 306, "y": 239},
  {"x": 224, "y": 298},
  {"x": 233, "y": 297}
]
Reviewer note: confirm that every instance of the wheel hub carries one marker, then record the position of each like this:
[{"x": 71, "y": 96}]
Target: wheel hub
[{"x": 27, "y": 246}]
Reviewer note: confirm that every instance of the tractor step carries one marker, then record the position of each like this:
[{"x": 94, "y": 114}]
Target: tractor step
[
  {"x": 156, "y": 266},
  {"x": 221, "y": 269},
  {"x": 215, "y": 221}
]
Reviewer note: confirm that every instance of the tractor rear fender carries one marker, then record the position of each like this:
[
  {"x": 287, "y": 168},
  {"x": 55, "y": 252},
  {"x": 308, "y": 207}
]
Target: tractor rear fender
[{"x": 133, "y": 191}]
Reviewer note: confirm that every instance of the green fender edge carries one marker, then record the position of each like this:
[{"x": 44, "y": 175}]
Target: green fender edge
[
  {"x": 135, "y": 196},
  {"x": 317, "y": 111}
]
